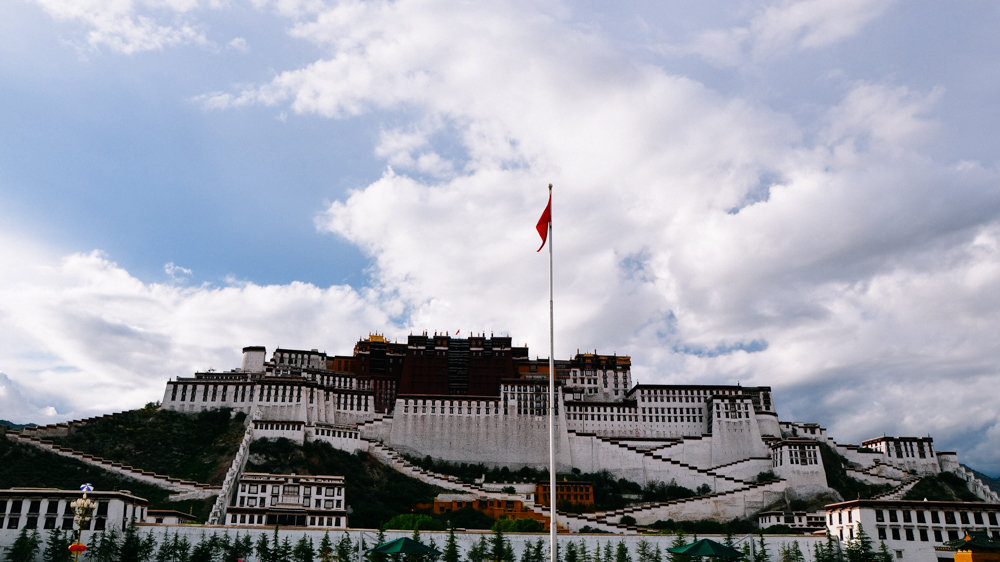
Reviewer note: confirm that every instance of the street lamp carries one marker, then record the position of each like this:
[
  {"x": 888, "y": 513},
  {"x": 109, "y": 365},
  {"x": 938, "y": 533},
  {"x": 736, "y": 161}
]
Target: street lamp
[{"x": 82, "y": 508}]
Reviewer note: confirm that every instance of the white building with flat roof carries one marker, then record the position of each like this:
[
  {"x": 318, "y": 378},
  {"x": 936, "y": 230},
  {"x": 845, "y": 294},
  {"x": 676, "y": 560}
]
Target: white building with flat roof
[
  {"x": 49, "y": 508},
  {"x": 289, "y": 500},
  {"x": 911, "y": 529}
]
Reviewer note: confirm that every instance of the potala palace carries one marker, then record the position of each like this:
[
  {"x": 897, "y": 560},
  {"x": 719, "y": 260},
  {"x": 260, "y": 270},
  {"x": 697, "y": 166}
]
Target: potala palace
[{"x": 483, "y": 400}]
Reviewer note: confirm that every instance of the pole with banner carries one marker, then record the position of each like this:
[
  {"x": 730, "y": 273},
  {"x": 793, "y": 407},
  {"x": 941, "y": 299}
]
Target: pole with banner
[{"x": 544, "y": 228}]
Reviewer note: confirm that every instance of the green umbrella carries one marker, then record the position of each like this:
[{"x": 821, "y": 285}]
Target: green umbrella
[
  {"x": 404, "y": 545},
  {"x": 706, "y": 547}
]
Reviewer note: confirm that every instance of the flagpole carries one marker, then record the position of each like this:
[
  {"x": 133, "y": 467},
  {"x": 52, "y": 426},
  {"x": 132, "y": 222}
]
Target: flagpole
[{"x": 552, "y": 403}]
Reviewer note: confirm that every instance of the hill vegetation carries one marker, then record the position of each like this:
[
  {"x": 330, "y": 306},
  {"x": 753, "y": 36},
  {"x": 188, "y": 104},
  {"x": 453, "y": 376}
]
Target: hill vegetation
[
  {"x": 198, "y": 447},
  {"x": 26, "y": 466},
  {"x": 375, "y": 492},
  {"x": 945, "y": 486},
  {"x": 609, "y": 492},
  {"x": 848, "y": 487}
]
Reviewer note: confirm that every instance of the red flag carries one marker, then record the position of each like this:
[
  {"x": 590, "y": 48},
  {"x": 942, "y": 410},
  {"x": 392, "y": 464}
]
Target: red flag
[{"x": 543, "y": 223}]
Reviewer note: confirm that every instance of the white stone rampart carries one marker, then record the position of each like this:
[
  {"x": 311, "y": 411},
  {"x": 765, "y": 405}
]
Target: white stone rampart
[
  {"x": 723, "y": 506},
  {"x": 977, "y": 486},
  {"x": 465, "y": 540},
  {"x": 218, "y": 513},
  {"x": 473, "y": 430}
]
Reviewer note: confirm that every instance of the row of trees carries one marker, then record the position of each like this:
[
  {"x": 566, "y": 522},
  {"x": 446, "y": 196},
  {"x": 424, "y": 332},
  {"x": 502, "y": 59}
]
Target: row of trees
[{"x": 133, "y": 546}]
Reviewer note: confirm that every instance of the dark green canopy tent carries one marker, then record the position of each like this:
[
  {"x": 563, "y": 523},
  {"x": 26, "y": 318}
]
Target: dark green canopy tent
[
  {"x": 706, "y": 547},
  {"x": 404, "y": 545}
]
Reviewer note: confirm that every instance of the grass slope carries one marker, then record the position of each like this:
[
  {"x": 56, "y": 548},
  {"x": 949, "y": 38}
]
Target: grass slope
[
  {"x": 30, "y": 467},
  {"x": 197, "y": 447}
]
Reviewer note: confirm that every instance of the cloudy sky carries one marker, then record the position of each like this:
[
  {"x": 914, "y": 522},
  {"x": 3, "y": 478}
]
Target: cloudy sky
[{"x": 802, "y": 194}]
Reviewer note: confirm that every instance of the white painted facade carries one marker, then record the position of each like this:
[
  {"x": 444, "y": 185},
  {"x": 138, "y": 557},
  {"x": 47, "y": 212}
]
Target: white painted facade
[
  {"x": 912, "y": 529},
  {"x": 44, "y": 509},
  {"x": 720, "y": 436},
  {"x": 266, "y": 500}
]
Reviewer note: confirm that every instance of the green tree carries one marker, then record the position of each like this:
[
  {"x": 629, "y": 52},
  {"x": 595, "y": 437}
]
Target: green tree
[
  {"x": 582, "y": 552},
  {"x": 135, "y": 548},
  {"x": 377, "y": 556},
  {"x": 450, "y": 553},
  {"x": 678, "y": 542},
  {"x": 608, "y": 555},
  {"x": 204, "y": 550},
  {"x": 479, "y": 551},
  {"x": 621, "y": 553},
  {"x": 25, "y": 547},
  {"x": 241, "y": 548},
  {"x": 57, "y": 547},
  {"x": 303, "y": 550},
  {"x": 883, "y": 553},
  {"x": 644, "y": 551},
  {"x": 326, "y": 548},
  {"x": 344, "y": 551},
  {"x": 283, "y": 552},
  {"x": 762, "y": 555},
  {"x": 571, "y": 554},
  {"x": 500, "y": 549},
  {"x": 263, "y": 549},
  {"x": 860, "y": 549},
  {"x": 103, "y": 546}
]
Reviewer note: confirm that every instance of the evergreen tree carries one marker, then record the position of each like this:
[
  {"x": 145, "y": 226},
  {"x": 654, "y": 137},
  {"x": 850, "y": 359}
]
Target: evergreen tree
[
  {"x": 263, "y": 548},
  {"x": 860, "y": 549},
  {"x": 202, "y": 552},
  {"x": 25, "y": 547},
  {"x": 657, "y": 554},
  {"x": 57, "y": 547},
  {"x": 883, "y": 553},
  {"x": 678, "y": 541},
  {"x": 761, "y": 555},
  {"x": 103, "y": 546},
  {"x": 326, "y": 548},
  {"x": 378, "y": 556},
  {"x": 479, "y": 551},
  {"x": 450, "y": 553},
  {"x": 283, "y": 553},
  {"x": 608, "y": 555},
  {"x": 539, "y": 551},
  {"x": 240, "y": 548},
  {"x": 135, "y": 548},
  {"x": 644, "y": 551},
  {"x": 344, "y": 550},
  {"x": 303, "y": 550},
  {"x": 582, "y": 552},
  {"x": 621, "y": 553},
  {"x": 571, "y": 553},
  {"x": 729, "y": 540}
]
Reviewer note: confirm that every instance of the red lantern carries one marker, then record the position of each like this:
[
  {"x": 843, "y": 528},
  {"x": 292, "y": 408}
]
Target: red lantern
[{"x": 77, "y": 548}]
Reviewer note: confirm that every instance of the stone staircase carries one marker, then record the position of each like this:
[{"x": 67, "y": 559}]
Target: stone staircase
[
  {"x": 185, "y": 489},
  {"x": 751, "y": 494},
  {"x": 574, "y": 522},
  {"x": 696, "y": 473}
]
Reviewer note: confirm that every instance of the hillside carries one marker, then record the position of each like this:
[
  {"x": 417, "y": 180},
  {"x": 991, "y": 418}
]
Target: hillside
[
  {"x": 26, "y": 466},
  {"x": 198, "y": 447},
  {"x": 375, "y": 492}
]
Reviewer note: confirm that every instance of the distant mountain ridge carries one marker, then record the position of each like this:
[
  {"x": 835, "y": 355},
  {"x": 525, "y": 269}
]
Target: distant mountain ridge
[{"x": 13, "y": 425}]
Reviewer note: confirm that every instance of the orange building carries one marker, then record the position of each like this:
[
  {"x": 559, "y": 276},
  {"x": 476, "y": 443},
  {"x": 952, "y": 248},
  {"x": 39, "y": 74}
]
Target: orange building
[
  {"x": 497, "y": 509},
  {"x": 577, "y": 493}
]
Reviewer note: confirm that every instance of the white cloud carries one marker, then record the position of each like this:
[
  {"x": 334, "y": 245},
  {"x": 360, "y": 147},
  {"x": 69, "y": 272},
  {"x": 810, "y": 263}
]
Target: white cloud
[
  {"x": 130, "y": 26},
  {"x": 86, "y": 336},
  {"x": 712, "y": 239},
  {"x": 785, "y": 27},
  {"x": 830, "y": 253}
]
